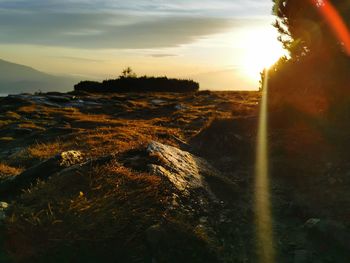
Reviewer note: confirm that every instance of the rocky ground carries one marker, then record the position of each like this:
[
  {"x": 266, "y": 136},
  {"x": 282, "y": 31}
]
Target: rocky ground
[{"x": 162, "y": 178}]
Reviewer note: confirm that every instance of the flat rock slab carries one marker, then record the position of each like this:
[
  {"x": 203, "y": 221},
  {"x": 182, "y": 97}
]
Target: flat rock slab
[{"x": 184, "y": 170}]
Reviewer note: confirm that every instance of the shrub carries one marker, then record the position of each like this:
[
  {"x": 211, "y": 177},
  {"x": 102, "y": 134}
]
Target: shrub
[{"x": 139, "y": 84}]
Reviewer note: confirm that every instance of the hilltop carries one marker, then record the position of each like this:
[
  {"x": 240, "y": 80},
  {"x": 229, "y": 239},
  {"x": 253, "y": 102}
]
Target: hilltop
[{"x": 159, "y": 177}]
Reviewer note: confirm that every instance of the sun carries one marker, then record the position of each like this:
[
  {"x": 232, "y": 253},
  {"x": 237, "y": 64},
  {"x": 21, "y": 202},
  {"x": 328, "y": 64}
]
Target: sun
[{"x": 262, "y": 50}]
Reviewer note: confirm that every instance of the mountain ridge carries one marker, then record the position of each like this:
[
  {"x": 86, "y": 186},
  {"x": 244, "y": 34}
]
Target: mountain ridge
[{"x": 18, "y": 78}]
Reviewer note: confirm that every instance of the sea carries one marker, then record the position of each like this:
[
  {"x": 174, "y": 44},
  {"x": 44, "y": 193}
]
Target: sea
[{"x": 3, "y": 95}]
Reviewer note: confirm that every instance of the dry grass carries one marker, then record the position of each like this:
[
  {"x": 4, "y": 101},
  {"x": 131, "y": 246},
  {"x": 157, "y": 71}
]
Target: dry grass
[
  {"x": 13, "y": 115},
  {"x": 70, "y": 210},
  {"x": 99, "y": 211},
  {"x": 4, "y": 123},
  {"x": 6, "y": 170},
  {"x": 6, "y": 139},
  {"x": 28, "y": 109},
  {"x": 44, "y": 151},
  {"x": 30, "y": 125}
]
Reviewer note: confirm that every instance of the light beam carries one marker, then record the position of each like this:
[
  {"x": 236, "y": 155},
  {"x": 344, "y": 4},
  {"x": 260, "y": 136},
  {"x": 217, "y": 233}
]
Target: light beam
[{"x": 263, "y": 219}]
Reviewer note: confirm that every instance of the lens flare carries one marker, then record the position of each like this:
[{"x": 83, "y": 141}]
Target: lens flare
[
  {"x": 335, "y": 22},
  {"x": 263, "y": 219}
]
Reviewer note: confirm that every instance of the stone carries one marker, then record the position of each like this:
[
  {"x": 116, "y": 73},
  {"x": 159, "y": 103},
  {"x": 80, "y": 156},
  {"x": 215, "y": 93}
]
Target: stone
[
  {"x": 312, "y": 222},
  {"x": 158, "y": 102},
  {"x": 70, "y": 158},
  {"x": 3, "y": 207},
  {"x": 180, "y": 107},
  {"x": 184, "y": 170},
  {"x": 59, "y": 98}
]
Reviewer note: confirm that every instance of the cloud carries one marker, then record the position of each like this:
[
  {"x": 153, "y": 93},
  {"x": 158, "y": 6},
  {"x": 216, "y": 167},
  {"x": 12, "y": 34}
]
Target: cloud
[
  {"x": 252, "y": 7},
  {"x": 92, "y": 31},
  {"x": 117, "y": 24},
  {"x": 79, "y": 59},
  {"x": 162, "y": 55}
]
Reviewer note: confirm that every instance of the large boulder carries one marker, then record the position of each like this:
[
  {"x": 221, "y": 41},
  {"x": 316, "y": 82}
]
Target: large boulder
[{"x": 184, "y": 170}]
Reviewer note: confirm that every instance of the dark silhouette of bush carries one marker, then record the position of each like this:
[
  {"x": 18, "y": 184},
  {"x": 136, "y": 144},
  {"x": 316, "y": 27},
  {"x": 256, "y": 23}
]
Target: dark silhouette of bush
[
  {"x": 87, "y": 85},
  {"x": 139, "y": 84},
  {"x": 314, "y": 80}
]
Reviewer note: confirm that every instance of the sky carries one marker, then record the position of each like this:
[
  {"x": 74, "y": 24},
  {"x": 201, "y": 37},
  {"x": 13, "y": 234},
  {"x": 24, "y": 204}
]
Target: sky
[{"x": 223, "y": 44}]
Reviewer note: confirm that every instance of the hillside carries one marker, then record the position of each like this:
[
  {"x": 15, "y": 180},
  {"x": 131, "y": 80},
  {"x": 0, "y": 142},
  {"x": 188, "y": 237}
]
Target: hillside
[
  {"x": 15, "y": 78},
  {"x": 163, "y": 177}
]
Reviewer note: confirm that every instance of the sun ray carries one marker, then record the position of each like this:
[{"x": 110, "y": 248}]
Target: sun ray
[
  {"x": 263, "y": 217},
  {"x": 262, "y": 51}
]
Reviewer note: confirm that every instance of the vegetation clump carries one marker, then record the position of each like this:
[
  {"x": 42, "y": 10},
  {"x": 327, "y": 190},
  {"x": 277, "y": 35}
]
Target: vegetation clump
[
  {"x": 316, "y": 74},
  {"x": 129, "y": 82}
]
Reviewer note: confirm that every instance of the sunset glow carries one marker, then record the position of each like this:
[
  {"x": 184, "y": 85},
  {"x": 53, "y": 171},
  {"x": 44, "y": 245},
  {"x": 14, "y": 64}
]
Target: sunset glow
[
  {"x": 222, "y": 45},
  {"x": 262, "y": 51}
]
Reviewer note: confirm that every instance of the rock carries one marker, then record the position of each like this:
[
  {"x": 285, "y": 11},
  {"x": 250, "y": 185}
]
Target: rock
[
  {"x": 37, "y": 99},
  {"x": 92, "y": 103},
  {"x": 41, "y": 171},
  {"x": 158, "y": 102},
  {"x": 55, "y": 93},
  {"x": 70, "y": 158},
  {"x": 59, "y": 99},
  {"x": 3, "y": 207},
  {"x": 180, "y": 142},
  {"x": 184, "y": 170},
  {"x": 17, "y": 100},
  {"x": 180, "y": 107},
  {"x": 312, "y": 222}
]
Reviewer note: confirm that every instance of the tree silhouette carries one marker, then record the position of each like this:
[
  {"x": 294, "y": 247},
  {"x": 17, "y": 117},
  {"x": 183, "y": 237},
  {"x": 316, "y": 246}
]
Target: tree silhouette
[
  {"x": 128, "y": 73},
  {"x": 303, "y": 29},
  {"x": 314, "y": 80}
]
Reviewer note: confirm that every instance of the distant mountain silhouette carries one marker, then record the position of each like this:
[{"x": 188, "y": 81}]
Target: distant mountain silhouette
[{"x": 15, "y": 78}]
